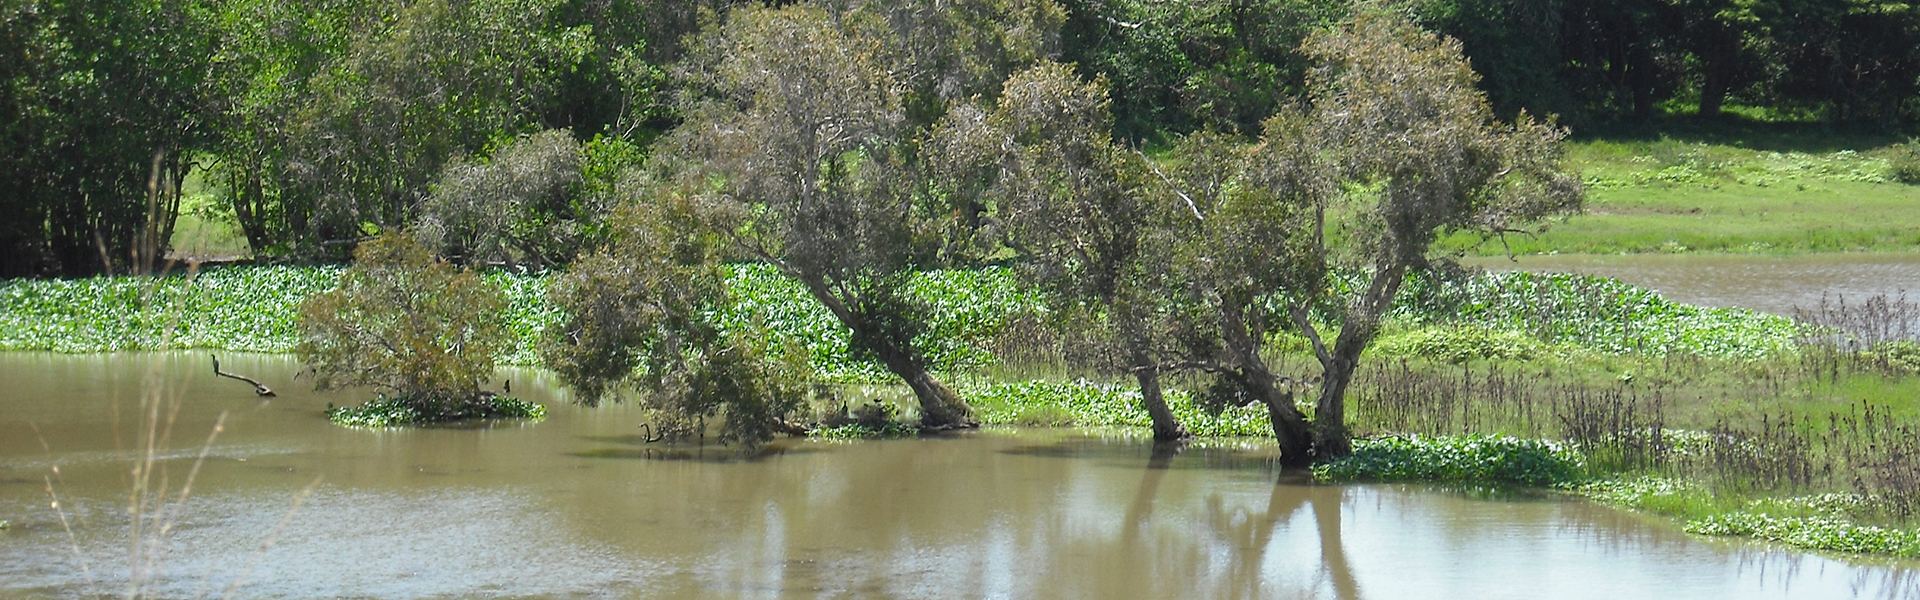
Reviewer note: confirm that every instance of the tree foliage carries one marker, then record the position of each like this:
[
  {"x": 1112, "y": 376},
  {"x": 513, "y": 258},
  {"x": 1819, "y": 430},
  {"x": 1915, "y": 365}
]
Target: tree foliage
[
  {"x": 101, "y": 107},
  {"x": 405, "y": 323},
  {"x": 642, "y": 312},
  {"x": 514, "y": 207},
  {"x": 1074, "y": 203},
  {"x": 1396, "y": 113},
  {"x": 801, "y": 131}
]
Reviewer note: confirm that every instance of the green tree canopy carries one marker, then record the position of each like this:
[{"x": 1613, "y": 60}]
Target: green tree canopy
[{"x": 406, "y": 323}]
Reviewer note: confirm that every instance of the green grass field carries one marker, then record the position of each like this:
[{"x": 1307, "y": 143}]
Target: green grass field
[{"x": 1739, "y": 191}]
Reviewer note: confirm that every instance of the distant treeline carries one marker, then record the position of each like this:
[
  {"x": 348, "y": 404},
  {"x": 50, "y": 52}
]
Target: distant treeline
[{"x": 317, "y": 123}]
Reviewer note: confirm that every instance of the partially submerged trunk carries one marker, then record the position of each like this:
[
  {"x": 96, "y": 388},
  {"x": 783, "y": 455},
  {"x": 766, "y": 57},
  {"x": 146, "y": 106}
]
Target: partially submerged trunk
[
  {"x": 940, "y": 407},
  {"x": 1290, "y": 428},
  {"x": 1166, "y": 428},
  {"x": 1146, "y": 372},
  {"x": 1331, "y": 439}
]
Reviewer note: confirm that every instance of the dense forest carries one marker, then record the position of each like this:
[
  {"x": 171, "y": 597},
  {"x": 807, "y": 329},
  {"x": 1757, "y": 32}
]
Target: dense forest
[{"x": 504, "y": 126}]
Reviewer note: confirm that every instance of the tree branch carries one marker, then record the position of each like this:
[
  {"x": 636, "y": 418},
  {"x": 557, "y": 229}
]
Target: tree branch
[
  {"x": 1299, "y": 315},
  {"x": 258, "y": 389}
]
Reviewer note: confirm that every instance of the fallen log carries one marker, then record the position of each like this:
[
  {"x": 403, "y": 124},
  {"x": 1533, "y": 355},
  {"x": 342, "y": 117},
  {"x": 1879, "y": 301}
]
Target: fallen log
[{"x": 258, "y": 389}]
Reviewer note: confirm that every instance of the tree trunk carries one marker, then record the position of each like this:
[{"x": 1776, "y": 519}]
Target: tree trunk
[
  {"x": 1166, "y": 427},
  {"x": 1331, "y": 439},
  {"x": 1290, "y": 429},
  {"x": 1713, "y": 92},
  {"x": 1330, "y": 435},
  {"x": 1640, "y": 78},
  {"x": 940, "y": 407},
  {"x": 1146, "y": 372}
]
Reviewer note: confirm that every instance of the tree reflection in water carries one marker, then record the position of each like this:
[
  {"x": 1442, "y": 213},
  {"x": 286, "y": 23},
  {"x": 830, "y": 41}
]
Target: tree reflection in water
[{"x": 1250, "y": 534}]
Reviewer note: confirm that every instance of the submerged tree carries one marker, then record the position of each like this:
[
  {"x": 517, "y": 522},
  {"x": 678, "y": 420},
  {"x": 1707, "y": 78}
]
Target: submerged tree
[
  {"x": 406, "y": 323},
  {"x": 801, "y": 135},
  {"x": 642, "y": 312},
  {"x": 1074, "y": 203},
  {"x": 1396, "y": 115},
  {"x": 1246, "y": 222}
]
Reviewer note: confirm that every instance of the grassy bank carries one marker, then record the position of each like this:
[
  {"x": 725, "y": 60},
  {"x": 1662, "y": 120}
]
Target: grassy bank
[{"x": 1734, "y": 191}]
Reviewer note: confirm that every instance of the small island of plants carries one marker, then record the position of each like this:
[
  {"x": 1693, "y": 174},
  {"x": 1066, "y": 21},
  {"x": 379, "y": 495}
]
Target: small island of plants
[{"x": 414, "y": 327}]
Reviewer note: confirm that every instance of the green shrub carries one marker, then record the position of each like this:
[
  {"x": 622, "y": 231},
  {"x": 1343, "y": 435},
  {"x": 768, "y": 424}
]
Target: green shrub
[
  {"x": 1904, "y": 164},
  {"x": 1472, "y": 458},
  {"x": 405, "y": 323}
]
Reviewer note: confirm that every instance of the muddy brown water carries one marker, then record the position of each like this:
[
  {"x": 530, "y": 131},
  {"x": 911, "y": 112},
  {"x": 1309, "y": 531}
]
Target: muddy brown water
[
  {"x": 578, "y": 506},
  {"x": 1774, "y": 284}
]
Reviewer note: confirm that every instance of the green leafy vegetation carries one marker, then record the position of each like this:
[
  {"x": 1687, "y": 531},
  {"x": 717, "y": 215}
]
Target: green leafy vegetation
[
  {"x": 1087, "y": 404},
  {"x": 962, "y": 311},
  {"x": 861, "y": 431},
  {"x": 247, "y": 309},
  {"x": 1591, "y": 313},
  {"x": 1812, "y": 532},
  {"x": 1471, "y": 458},
  {"x": 410, "y": 325},
  {"x": 1903, "y": 163},
  {"x": 383, "y": 412}
]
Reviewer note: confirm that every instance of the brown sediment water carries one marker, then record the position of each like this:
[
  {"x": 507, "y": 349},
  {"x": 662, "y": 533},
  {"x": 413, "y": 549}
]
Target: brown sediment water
[
  {"x": 579, "y": 506},
  {"x": 1774, "y": 284}
]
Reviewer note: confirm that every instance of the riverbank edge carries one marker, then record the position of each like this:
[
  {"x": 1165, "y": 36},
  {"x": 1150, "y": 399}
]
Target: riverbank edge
[{"x": 1820, "y": 522}]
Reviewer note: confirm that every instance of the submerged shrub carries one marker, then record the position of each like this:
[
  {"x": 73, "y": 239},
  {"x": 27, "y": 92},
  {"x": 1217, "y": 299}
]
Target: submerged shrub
[
  {"x": 407, "y": 324},
  {"x": 1474, "y": 458}
]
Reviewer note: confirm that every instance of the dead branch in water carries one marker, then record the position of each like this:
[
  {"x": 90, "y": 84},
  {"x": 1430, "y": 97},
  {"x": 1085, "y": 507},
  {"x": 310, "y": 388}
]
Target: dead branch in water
[{"x": 258, "y": 389}]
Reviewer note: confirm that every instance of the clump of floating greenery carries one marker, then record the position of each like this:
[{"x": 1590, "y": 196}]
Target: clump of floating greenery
[
  {"x": 1088, "y": 404},
  {"x": 385, "y": 411},
  {"x": 862, "y": 431},
  {"x": 1469, "y": 458},
  {"x": 1817, "y": 533}
]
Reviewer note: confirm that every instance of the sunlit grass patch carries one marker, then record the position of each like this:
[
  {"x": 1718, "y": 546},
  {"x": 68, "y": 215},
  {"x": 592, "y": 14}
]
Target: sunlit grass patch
[{"x": 1731, "y": 194}]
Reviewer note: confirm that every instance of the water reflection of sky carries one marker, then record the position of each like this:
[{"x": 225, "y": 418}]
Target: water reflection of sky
[
  {"x": 1774, "y": 284},
  {"x": 541, "y": 512}
]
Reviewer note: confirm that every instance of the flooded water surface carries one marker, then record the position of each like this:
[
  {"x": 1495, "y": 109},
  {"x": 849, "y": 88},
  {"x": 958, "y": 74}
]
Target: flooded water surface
[
  {"x": 1774, "y": 284},
  {"x": 579, "y": 506}
]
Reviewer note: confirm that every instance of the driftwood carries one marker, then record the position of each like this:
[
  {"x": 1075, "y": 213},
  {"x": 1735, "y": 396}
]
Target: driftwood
[{"x": 258, "y": 389}]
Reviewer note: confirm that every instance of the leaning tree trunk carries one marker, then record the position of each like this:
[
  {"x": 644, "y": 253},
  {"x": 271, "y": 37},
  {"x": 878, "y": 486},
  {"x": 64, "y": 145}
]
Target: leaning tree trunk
[
  {"x": 1166, "y": 427},
  {"x": 1146, "y": 372},
  {"x": 1290, "y": 429},
  {"x": 940, "y": 407}
]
